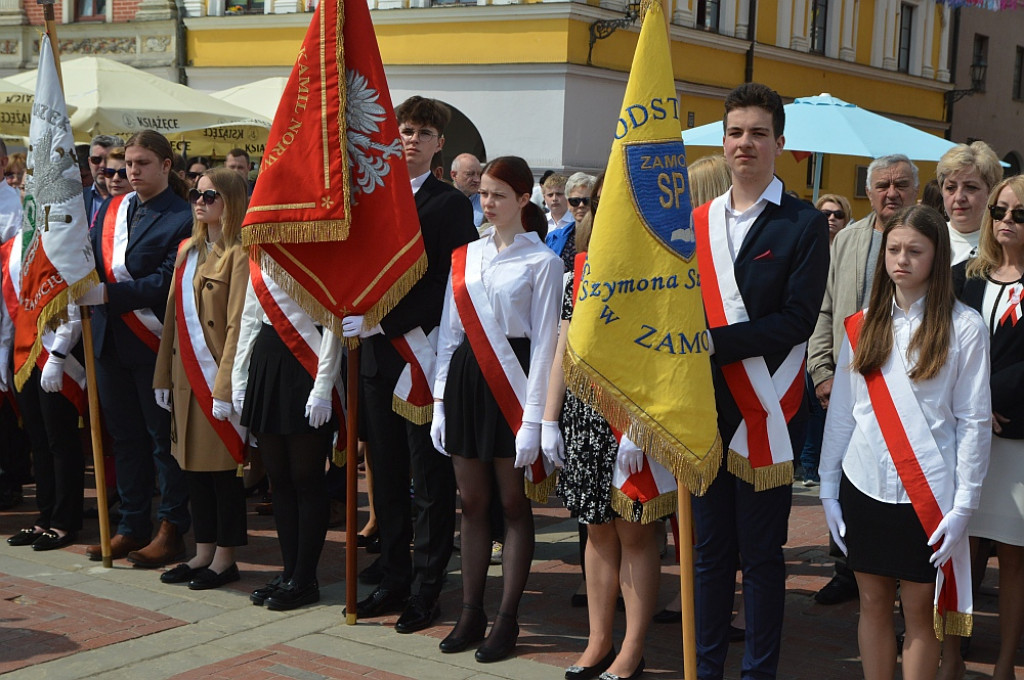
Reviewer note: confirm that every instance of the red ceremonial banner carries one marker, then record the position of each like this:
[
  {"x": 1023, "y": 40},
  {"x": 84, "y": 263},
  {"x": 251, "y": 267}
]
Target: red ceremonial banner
[{"x": 334, "y": 224}]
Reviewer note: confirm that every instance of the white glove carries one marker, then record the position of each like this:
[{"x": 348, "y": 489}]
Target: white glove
[
  {"x": 5, "y": 368},
  {"x": 93, "y": 296},
  {"x": 527, "y": 444},
  {"x": 834, "y": 519},
  {"x": 221, "y": 410},
  {"x": 951, "y": 530},
  {"x": 437, "y": 427},
  {"x": 352, "y": 326},
  {"x": 238, "y": 400},
  {"x": 318, "y": 411},
  {"x": 53, "y": 374},
  {"x": 551, "y": 442},
  {"x": 629, "y": 459},
  {"x": 163, "y": 399}
]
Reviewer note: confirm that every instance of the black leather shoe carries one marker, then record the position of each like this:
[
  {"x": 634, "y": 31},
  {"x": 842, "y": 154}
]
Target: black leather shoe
[
  {"x": 372, "y": 575},
  {"x": 292, "y": 595},
  {"x": 260, "y": 595},
  {"x": 588, "y": 672},
  {"x": 498, "y": 646},
  {"x": 24, "y": 537},
  {"x": 206, "y": 578},
  {"x": 180, "y": 574},
  {"x": 475, "y": 627},
  {"x": 373, "y": 545},
  {"x": 381, "y": 601},
  {"x": 633, "y": 676},
  {"x": 419, "y": 614},
  {"x": 50, "y": 540},
  {"x": 667, "y": 616},
  {"x": 364, "y": 540},
  {"x": 836, "y": 591}
]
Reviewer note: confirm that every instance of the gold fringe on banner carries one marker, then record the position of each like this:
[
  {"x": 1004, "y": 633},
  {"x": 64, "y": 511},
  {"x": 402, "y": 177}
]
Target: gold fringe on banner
[
  {"x": 540, "y": 492},
  {"x": 240, "y": 470},
  {"x": 763, "y": 478},
  {"x": 387, "y": 302},
  {"x": 633, "y": 510},
  {"x": 53, "y": 314},
  {"x": 955, "y": 623},
  {"x": 418, "y": 415},
  {"x": 295, "y": 232},
  {"x": 81, "y": 423},
  {"x": 338, "y": 457},
  {"x": 644, "y": 6},
  {"x": 693, "y": 471}
]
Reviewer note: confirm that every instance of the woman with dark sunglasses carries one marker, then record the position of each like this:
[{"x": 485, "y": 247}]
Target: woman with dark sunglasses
[
  {"x": 116, "y": 173},
  {"x": 193, "y": 377},
  {"x": 837, "y": 209},
  {"x": 196, "y": 167},
  {"x": 993, "y": 283}
]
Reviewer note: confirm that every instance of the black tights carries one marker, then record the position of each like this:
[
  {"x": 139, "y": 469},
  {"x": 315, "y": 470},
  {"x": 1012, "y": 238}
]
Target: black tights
[
  {"x": 476, "y": 480},
  {"x": 295, "y": 465}
]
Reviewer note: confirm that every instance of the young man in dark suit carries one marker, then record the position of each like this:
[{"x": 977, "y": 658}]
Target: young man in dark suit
[
  {"x": 398, "y": 448},
  {"x": 157, "y": 220},
  {"x": 774, "y": 268}
]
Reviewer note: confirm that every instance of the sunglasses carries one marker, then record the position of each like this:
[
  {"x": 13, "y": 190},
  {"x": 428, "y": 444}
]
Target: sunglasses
[
  {"x": 838, "y": 214},
  {"x": 998, "y": 213},
  {"x": 193, "y": 175},
  {"x": 97, "y": 160},
  {"x": 208, "y": 196},
  {"x": 577, "y": 201},
  {"x": 110, "y": 172}
]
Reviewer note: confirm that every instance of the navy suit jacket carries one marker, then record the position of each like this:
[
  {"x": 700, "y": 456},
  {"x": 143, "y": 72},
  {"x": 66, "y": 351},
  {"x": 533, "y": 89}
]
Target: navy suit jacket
[
  {"x": 150, "y": 260},
  {"x": 781, "y": 269},
  {"x": 446, "y": 222}
]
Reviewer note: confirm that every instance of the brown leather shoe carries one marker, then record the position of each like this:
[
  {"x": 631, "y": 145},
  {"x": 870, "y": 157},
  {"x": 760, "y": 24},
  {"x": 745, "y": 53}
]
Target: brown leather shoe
[
  {"x": 120, "y": 546},
  {"x": 166, "y": 547}
]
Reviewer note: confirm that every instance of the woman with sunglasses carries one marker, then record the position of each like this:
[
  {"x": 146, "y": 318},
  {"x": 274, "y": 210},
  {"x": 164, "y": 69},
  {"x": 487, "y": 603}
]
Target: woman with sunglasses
[
  {"x": 116, "y": 173},
  {"x": 193, "y": 376},
  {"x": 993, "y": 283},
  {"x": 196, "y": 167},
  {"x": 966, "y": 175},
  {"x": 837, "y": 209}
]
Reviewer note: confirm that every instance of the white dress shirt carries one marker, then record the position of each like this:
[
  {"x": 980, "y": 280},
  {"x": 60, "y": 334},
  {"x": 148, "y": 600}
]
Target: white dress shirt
[
  {"x": 739, "y": 223},
  {"x": 563, "y": 222},
  {"x": 417, "y": 182},
  {"x": 10, "y": 211},
  {"x": 956, "y": 404},
  {"x": 523, "y": 283}
]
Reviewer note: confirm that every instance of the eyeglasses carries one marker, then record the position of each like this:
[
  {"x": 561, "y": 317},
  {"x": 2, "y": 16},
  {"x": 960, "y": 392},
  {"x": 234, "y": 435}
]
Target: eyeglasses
[
  {"x": 208, "y": 196},
  {"x": 110, "y": 172},
  {"x": 998, "y": 214},
  {"x": 577, "y": 201},
  {"x": 838, "y": 214},
  {"x": 425, "y": 134},
  {"x": 97, "y": 160},
  {"x": 193, "y": 176}
]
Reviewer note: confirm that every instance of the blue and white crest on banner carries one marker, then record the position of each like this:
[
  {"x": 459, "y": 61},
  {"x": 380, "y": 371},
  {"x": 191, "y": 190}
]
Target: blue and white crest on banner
[{"x": 658, "y": 182}]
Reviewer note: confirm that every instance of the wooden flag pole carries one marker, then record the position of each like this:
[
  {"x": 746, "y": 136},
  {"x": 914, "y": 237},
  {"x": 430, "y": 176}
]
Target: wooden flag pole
[
  {"x": 90, "y": 362},
  {"x": 351, "y": 512},
  {"x": 685, "y": 516}
]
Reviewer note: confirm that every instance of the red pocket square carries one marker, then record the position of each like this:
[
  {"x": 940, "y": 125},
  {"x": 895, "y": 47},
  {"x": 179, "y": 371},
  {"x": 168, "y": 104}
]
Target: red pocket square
[{"x": 766, "y": 255}]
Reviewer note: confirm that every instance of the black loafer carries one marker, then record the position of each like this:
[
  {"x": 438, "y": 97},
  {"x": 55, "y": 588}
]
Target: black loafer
[
  {"x": 206, "y": 578},
  {"x": 419, "y": 614},
  {"x": 260, "y": 595},
  {"x": 180, "y": 574},
  {"x": 588, "y": 672},
  {"x": 24, "y": 537},
  {"x": 382, "y": 601},
  {"x": 50, "y": 540},
  {"x": 291, "y": 595}
]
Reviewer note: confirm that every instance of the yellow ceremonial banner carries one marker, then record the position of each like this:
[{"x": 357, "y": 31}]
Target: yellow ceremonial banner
[{"x": 638, "y": 341}]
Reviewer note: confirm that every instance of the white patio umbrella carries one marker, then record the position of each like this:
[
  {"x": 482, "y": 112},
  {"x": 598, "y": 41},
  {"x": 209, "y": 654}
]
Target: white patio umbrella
[
  {"x": 259, "y": 96},
  {"x": 16, "y": 109},
  {"x": 114, "y": 98},
  {"x": 826, "y": 124}
]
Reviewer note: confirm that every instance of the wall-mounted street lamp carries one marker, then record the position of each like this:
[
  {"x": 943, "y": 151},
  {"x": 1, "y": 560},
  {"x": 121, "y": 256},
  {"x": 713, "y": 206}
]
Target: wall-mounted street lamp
[
  {"x": 602, "y": 28},
  {"x": 978, "y": 70}
]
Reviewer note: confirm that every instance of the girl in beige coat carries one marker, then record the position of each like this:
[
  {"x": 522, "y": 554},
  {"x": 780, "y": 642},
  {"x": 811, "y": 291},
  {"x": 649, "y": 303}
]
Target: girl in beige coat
[{"x": 193, "y": 376}]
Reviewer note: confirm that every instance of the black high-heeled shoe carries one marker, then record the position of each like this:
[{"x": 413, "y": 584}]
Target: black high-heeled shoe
[
  {"x": 495, "y": 648},
  {"x": 474, "y": 630},
  {"x": 633, "y": 676},
  {"x": 587, "y": 672}
]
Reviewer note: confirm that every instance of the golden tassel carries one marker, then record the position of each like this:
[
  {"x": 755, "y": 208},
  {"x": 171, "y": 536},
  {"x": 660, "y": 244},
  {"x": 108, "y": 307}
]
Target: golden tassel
[
  {"x": 651, "y": 511},
  {"x": 418, "y": 415},
  {"x": 240, "y": 470},
  {"x": 318, "y": 231},
  {"x": 762, "y": 478},
  {"x": 954, "y": 623},
  {"x": 398, "y": 289},
  {"x": 540, "y": 492},
  {"x": 339, "y": 458}
]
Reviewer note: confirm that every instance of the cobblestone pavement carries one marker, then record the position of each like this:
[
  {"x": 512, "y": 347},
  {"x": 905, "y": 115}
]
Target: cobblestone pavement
[{"x": 65, "y": 617}]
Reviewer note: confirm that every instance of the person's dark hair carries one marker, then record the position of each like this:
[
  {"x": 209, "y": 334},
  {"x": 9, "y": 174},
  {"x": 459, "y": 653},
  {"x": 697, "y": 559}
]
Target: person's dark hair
[
  {"x": 515, "y": 172},
  {"x": 151, "y": 140},
  {"x": 761, "y": 96},
  {"x": 178, "y": 163},
  {"x": 931, "y": 196},
  {"x": 236, "y": 153},
  {"x": 82, "y": 152},
  {"x": 930, "y": 342},
  {"x": 425, "y": 112},
  {"x": 547, "y": 173},
  {"x": 199, "y": 159}
]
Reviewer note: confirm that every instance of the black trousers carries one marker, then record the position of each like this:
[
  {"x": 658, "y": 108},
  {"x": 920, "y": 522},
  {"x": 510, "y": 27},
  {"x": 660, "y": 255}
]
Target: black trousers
[
  {"x": 52, "y": 425},
  {"x": 400, "y": 450},
  {"x": 15, "y": 463},
  {"x": 218, "y": 507}
]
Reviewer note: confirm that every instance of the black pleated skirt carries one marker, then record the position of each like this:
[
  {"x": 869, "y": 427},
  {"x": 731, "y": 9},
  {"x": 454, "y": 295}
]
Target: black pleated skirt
[
  {"x": 474, "y": 424},
  {"x": 885, "y": 539},
  {"x": 278, "y": 387}
]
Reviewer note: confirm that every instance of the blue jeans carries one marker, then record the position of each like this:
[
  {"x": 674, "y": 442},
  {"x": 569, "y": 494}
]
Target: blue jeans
[{"x": 810, "y": 455}]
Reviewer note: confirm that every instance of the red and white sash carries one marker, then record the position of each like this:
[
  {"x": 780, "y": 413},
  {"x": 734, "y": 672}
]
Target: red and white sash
[
  {"x": 302, "y": 337},
  {"x": 899, "y": 425},
  {"x": 73, "y": 385},
  {"x": 412, "y": 398},
  {"x": 760, "y": 451},
  {"x": 142, "y": 322},
  {"x": 498, "y": 363},
  {"x": 197, "y": 359}
]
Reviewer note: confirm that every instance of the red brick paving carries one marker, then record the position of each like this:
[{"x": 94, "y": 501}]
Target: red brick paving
[{"x": 283, "y": 661}]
